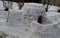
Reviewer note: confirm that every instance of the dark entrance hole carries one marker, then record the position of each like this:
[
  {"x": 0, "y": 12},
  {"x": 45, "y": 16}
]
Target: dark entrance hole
[
  {"x": 58, "y": 10},
  {"x": 6, "y": 9},
  {"x": 40, "y": 19}
]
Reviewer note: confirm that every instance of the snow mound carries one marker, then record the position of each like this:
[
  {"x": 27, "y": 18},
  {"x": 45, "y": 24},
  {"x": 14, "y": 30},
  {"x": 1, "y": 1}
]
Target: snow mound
[
  {"x": 44, "y": 31},
  {"x": 53, "y": 9}
]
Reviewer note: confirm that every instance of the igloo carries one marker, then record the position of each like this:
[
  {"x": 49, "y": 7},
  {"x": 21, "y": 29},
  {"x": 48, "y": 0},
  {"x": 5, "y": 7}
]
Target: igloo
[{"x": 26, "y": 15}]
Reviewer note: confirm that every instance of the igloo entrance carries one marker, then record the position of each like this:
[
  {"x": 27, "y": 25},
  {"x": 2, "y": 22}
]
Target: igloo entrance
[
  {"x": 40, "y": 19},
  {"x": 43, "y": 20}
]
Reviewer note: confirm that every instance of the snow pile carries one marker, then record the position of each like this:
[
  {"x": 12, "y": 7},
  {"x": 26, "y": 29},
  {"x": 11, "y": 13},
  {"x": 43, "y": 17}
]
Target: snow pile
[
  {"x": 26, "y": 15},
  {"x": 53, "y": 9},
  {"x": 45, "y": 31},
  {"x": 20, "y": 20}
]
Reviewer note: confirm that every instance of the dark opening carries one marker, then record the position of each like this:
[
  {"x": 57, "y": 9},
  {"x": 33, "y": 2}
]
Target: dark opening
[
  {"x": 6, "y": 9},
  {"x": 58, "y": 10},
  {"x": 46, "y": 9},
  {"x": 40, "y": 19}
]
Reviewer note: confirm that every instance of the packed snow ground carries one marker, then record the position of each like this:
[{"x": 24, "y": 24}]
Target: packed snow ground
[{"x": 21, "y": 25}]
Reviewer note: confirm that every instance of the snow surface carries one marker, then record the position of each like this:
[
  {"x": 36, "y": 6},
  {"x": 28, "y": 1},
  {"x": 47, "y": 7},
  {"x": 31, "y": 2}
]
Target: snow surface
[
  {"x": 45, "y": 30},
  {"x": 53, "y": 9},
  {"x": 16, "y": 25},
  {"x": 21, "y": 25}
]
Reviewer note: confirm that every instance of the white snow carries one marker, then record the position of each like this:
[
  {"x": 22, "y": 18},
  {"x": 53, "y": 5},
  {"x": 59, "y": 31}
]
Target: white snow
[
  {"x": 44, "y": 30},
  {"x": 1, "y": 6},
  {"x": 21, "y": 22},
  {"x": 15, "y": 6},
  {"x": 49, "y": 14},
  {"x": 53, "y": 8}
]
